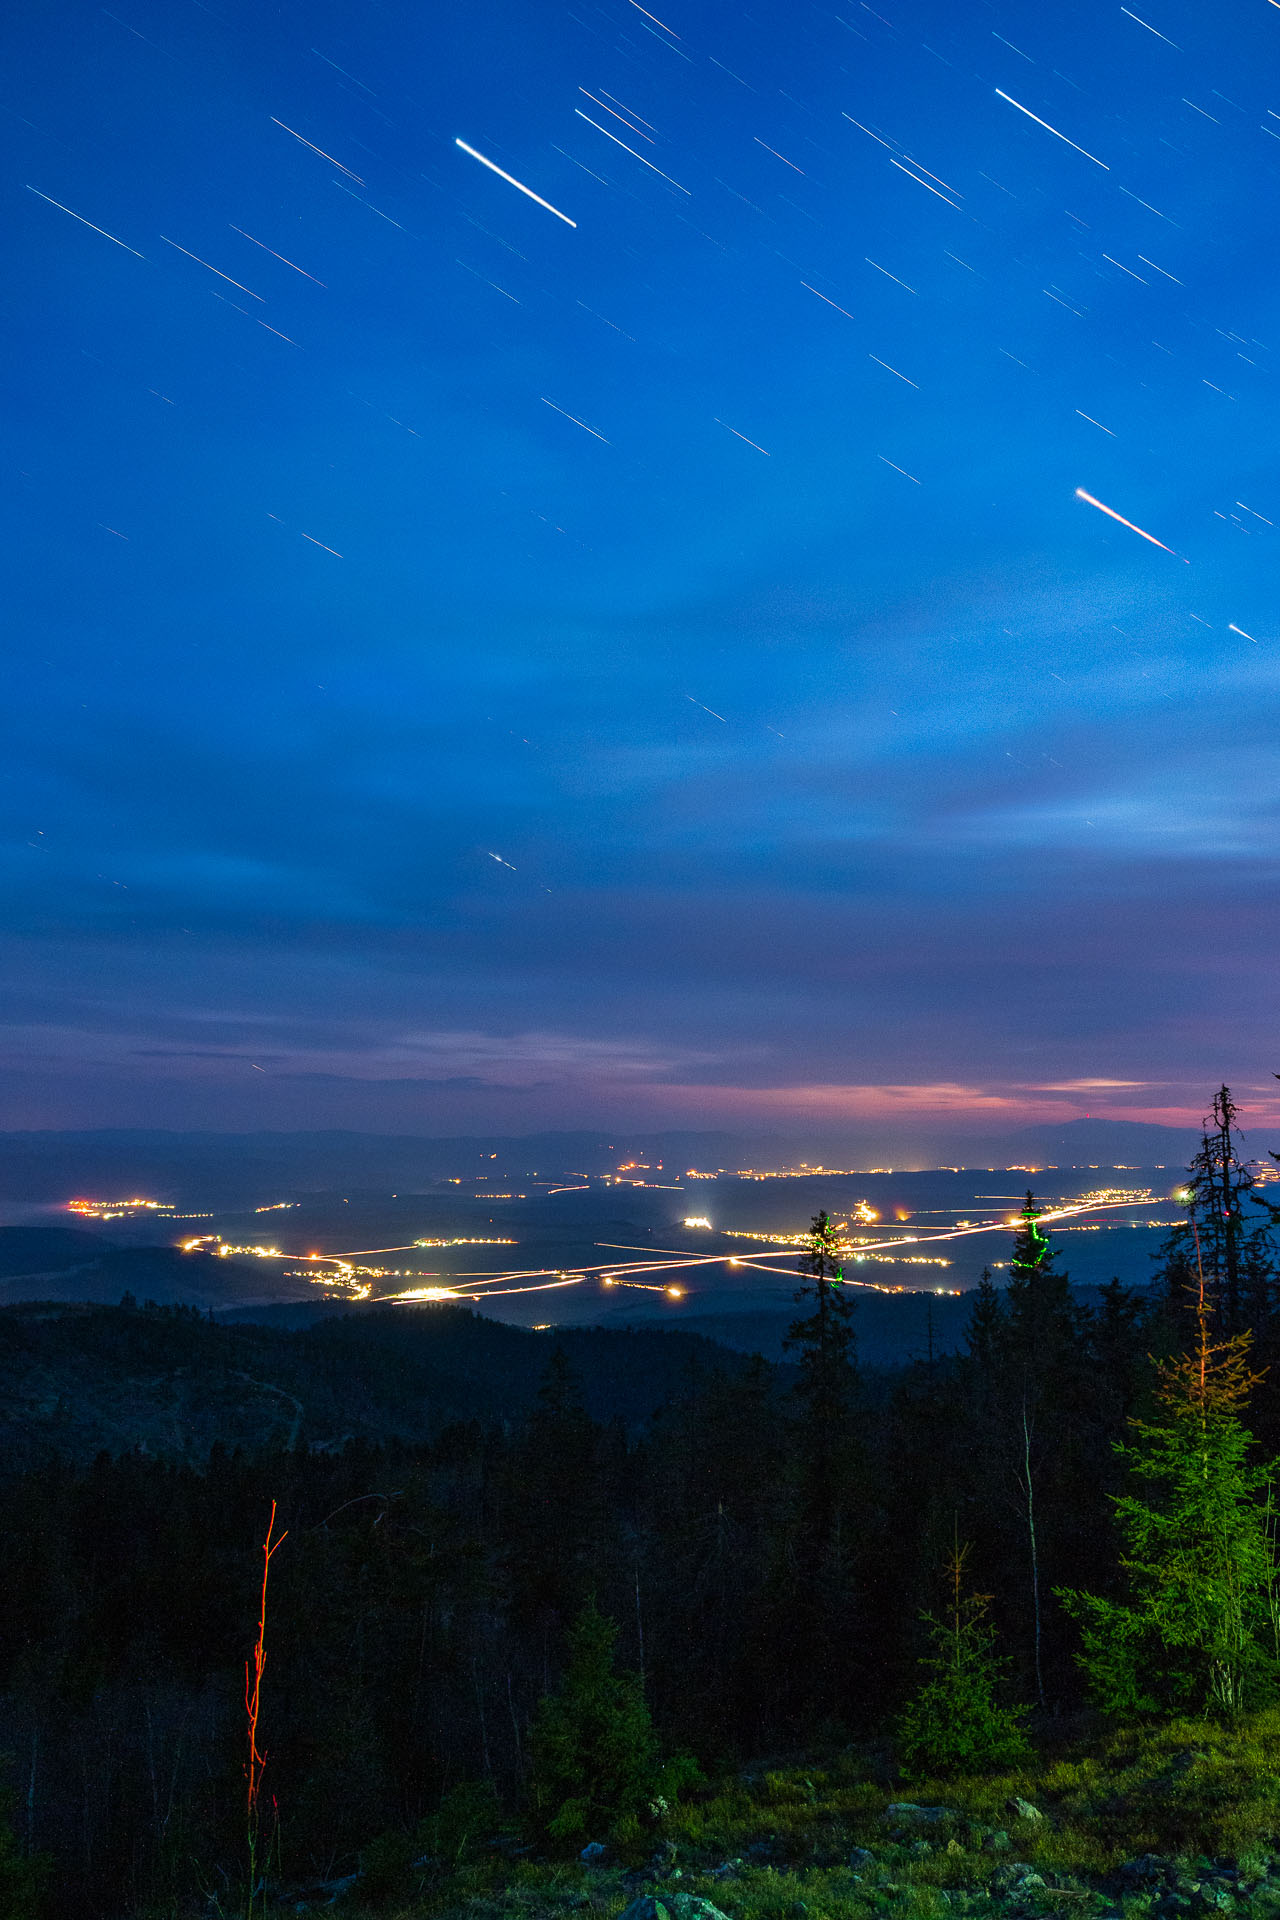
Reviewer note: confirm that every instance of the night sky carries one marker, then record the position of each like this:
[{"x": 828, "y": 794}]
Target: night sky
[{"x": 472, "y": 671}]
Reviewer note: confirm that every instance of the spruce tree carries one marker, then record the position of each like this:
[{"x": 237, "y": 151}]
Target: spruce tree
[
  {"x": 559, "y": 1521},
  {"x": 1225, "y": 1232},
  {"x": 808, "y": 1637},
  {"x": 595, "y": 1765},
  {"x": 955, "y": 1722},
  {"x": 1195, "y": 1628},
  {"x": 984, "y": 1334},
  {"x": 1042, "y": 1392},
  {"x": 825, "y": 1345}
]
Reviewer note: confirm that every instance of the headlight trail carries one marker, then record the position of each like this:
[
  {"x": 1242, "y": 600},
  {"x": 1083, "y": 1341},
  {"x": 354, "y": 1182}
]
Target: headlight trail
[{"x": 498, "y": 1286}]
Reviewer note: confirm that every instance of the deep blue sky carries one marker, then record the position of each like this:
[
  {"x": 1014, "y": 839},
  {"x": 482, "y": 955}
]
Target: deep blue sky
[{"x": 807, "y": 778}]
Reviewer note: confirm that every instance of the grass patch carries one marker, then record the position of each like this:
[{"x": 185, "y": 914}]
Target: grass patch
[{"x": 816, "y": 1842}]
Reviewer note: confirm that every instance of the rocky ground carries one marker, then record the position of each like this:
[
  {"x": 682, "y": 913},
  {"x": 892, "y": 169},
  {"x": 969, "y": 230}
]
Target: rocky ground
[{"x": 1161, "y": 1822}]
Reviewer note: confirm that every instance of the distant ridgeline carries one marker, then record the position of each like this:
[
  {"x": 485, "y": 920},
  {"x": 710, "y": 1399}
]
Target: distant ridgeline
[{"x": 78, "y": 1380}]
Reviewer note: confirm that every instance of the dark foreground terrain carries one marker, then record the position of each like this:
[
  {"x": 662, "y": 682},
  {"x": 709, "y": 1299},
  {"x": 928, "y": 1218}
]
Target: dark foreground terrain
[
  {"x": 1180, "y": 1820},
  {"x": 561, "y": 1621},
  {"x": 171, "y": 1383}
]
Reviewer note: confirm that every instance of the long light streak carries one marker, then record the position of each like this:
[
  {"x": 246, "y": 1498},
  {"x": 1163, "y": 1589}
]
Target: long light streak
[
  {"x": 894, "y": 371},
  {"x": 1053, "y": 130},
  {"x": 218, "y": 270},
  {"x": 1113, "y": 515},
  {"x": 615, "y": 115},
  {"x": 634, "y": 155},
  {"x": 831, "y": 303},
  {"x": 271, "y": 250},
  {"x": 875, "y": 136},
  {"x": 320, "y": 150},
  {"x": 1167, "y": 275},
  {"x": 777, "y": 156},
  {"x": 85, "y": 223},
  {"x": 486, "y": 1286},
  {"x": 885, "y": 271},
  {"x": 1146, "y": 203},
  {"x": 1129, "y": 270},
  {"x": 369, "y": 204},
  {"x": 751, "y": 443},
  {"x": 925, "y": 184},
  {"x": 671, "y": 30},
  {"x": 625, "y": 108},
  {"x": 573, "y": 416},
  {"x": 1150, "y": 29},
  {"x": 513, "y": 182},
  {"x": 921, "y": 168}
]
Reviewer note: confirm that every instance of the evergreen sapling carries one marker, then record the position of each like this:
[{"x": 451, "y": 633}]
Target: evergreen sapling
[{"x": 955, "y": 1722}]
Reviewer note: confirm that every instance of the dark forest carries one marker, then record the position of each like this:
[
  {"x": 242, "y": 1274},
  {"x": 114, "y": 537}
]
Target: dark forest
[{"x": 758, "y": 1559}]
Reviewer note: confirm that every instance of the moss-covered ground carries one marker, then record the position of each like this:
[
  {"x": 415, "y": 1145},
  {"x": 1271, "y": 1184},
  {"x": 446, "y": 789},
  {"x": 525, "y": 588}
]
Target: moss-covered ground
[{"x": 1184, "y": 1818}]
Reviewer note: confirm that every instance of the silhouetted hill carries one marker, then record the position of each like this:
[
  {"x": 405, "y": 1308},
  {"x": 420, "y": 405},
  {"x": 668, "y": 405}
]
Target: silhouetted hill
[
  {"x": 247, "y": 1168},
  {"x": 31, "y": 1250},
  {"x": 75, "y": 1381},
  {"x": 1083, "y": 1143},
  {"x": 64, "y": 1264}
]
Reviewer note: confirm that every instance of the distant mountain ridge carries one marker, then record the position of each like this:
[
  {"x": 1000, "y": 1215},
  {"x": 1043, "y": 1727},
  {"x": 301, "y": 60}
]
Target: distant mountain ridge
[
  {"x": 71, "y": 1267},
  {"x": 42, "y": 1167},
  {"x": 1135, "y": 1143},
  {"x": 76, "y": 1380}
]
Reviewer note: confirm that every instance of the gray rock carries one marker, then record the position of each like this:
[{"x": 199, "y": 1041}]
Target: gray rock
[
  {"x": 918, "y": 1816},
  {"x": 593, "y": 1853},
  {"x": 1022, "y": 1809},
  {"x": 1017, "y": 1877},
  {"x": 997, "y": 1841},
  {"x": 671, "y": 1906},
  {"x": 1147, "y": 1870},
  {"x": 861, "y": 1857}
]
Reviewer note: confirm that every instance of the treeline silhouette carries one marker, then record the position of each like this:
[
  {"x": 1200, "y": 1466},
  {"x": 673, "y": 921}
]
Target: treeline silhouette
[{"x": 765, "y": 1547}]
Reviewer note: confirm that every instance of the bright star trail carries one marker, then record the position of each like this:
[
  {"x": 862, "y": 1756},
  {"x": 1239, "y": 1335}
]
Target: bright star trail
[
  {"x": 1053, "y": 130},
  {"x": 513, "y": 182},
  {"x": 1113, "y": 515},
  {"x": 355, "y": 773},
  {"x": 87, "y": 223}
]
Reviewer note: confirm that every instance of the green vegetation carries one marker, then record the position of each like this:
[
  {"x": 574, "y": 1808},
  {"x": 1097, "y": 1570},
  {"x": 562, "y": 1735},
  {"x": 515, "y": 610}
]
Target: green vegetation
[
  {"x": 485, "y": 1632},
  {"x": 595, "y": 1766},
  {"x": 1198, "y": 1624},
  {"x": 955, "y": 1722},
  {"x": 1179, "y": 1818}
]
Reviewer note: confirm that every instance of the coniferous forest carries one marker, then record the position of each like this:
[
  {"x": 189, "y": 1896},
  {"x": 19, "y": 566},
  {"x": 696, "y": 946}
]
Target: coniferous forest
[{"x": 543, "y": 1633}]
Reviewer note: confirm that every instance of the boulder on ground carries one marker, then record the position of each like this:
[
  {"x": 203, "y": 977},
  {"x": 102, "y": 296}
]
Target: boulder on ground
[{"x": 671, "y": 1906}]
